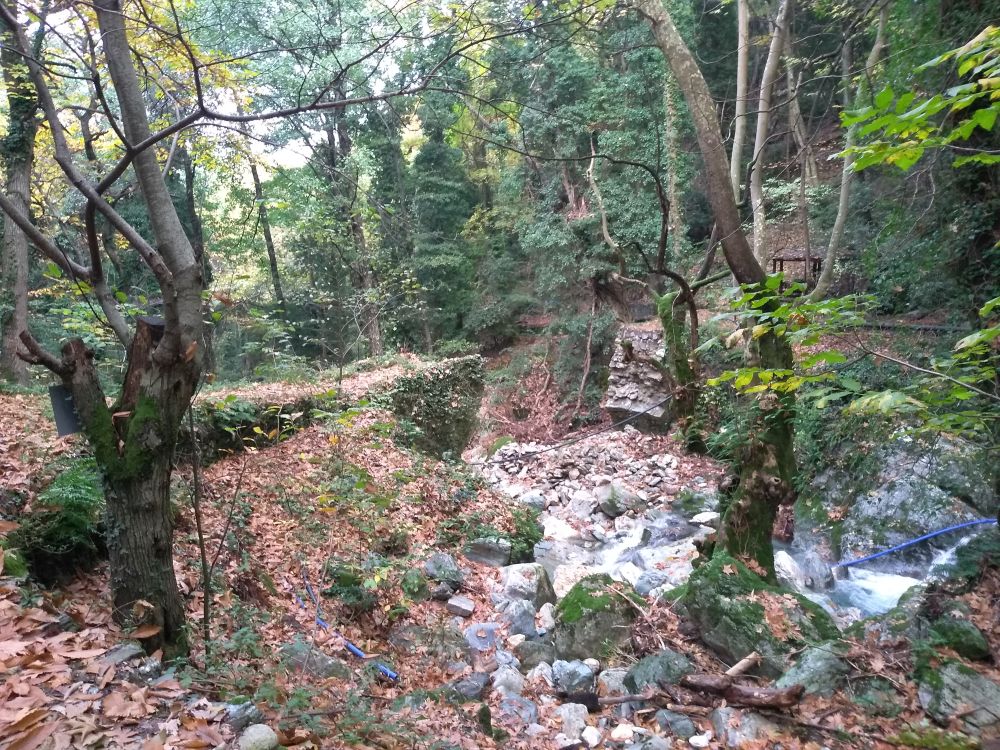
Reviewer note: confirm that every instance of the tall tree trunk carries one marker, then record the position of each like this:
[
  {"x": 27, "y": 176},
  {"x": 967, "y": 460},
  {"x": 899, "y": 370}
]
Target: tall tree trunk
[
  {"x": 196, "y": 234},
  {"x": 17, "y": 153},
  {"x": 265, "y": 228},
  {"x": 825, "y": 280},
  {"x": 767, "y": 467},
  {"x": 742, "y": 87},
  {"x": 796, "y": 122},
  {"x": 767, "y": 80}
]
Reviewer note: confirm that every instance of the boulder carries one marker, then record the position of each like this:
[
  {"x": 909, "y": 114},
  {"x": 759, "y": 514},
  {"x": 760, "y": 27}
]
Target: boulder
[
  {"x": 573, "y": 717},
  {"x": 241, "y": 715},
  {"x": 462, "y": 606},
  {"x": 533, "y": 499},
  {"x": 735, "y": 611},
  {"x": 735, "y": 728},
  {"x": 678, "y": 724},
  {"x": 961, "y": 636},
  {"x": 482, "y": 636},
  {"x": 507, "y": 681},
  {"x": 636, "y": 389},
  {"x": 572, "y": 676},
  {"x": 516, "y": 709},
  {"x": 443, "y": 644},
  {"x": 611, "y": 682},
  {"x": 519, "y": 615},
  {"x": 533, "y": 653},
  {"x": 491, "y": 551},
  {"x": 258, "y": 737},
  {"x": 665, "y": 667},
  {"x": 615, "y": 499},
  {"x": 594, "y": 618},
  {"x": 788, "y": 572},
  {"x": 819, "y": 669},
  {"x": 469, "y": 688},
  {"x": 527, "y": 581},
  {"x": 300, "y": 656},
  {"x": 442, "y": 567},
  {"x": 954, "y": 690}
]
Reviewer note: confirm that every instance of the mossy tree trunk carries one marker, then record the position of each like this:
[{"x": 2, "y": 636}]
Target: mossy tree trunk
[{"x": 766, "y": 469}]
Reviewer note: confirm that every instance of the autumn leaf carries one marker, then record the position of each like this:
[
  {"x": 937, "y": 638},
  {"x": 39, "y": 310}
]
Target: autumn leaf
[{"x": 145, "y": 631}]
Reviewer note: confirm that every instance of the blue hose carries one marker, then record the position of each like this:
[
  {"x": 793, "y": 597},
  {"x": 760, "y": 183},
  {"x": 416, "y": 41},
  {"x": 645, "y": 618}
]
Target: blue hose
[
  {"x": 347, "y": 644},
  {"x": 910, "y": 543}
]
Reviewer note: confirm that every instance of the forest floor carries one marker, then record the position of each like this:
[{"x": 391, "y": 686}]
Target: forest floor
[{"x": 338, "y": 490}]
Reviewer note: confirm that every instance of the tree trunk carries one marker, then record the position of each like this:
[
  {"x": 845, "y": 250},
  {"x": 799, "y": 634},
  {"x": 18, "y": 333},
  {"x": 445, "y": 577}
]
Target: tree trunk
[
  {"x": 797, "y": 123},
  {"x": 17, "y": 152},
  {"x": 742, "y": 85},
  {"x": 767, "y": 468},
  {"x": 265, "y": 228},
  {"x": 825, "y": 280},
  {"x": 763, "y": 128}
]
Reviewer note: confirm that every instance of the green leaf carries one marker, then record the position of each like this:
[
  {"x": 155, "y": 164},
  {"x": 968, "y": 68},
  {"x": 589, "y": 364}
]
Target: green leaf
[{"x": 884, "y": 98}]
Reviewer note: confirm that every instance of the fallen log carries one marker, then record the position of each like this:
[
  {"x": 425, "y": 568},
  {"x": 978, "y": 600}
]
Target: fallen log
[{"x": 744, "y": 695}]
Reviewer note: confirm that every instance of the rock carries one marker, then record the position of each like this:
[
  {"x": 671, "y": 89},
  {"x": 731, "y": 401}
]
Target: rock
[
  {"x": 444, "y": 644},
  {"x": 582, "y": 504},
  {"x": 519, "y": 615},
  {"x": 593, "y": 618},
  {"x": 553, "y": 554},
  {"x": 788, "y": 572},
  {"x": 955, "y": 690},
  {"x": 701, "y": 740},
  {"x": 961, "y": 636},
  {"x": 651, "y": 579},
  {"x": 528, "y": 581},
  {"x": 592, "y": 736},
  {"x": 574, "y": 719},
  {"x": 572, "y": 676},
  {"x": 615, "y": 499},
  {"x": 462, "y": 606},
  {"x": 723, "y": 600},
  {"x": 513, "y": 641},
  {"x": 506, "y": 658},
  {"x": 469, "y": 688},
  {"x": 533, "y": 653},
  {"x": 482, "y": 636},
  {"x": 442, "y": 567},
  {"x": 663, "y": 667},
  {"x": 707, "y": 518},
  {"x": 650, "y": 743},
  {"x": 819, "y": 669},
  {"x": 123, "y": 653},
  {"x": 567, "y": 576},
  {"x": 611, "y": 682},
  {"x": 541, "y": 673},
  {"x": 533, "y": 499},
  {"x": 241, "y": 715},
  {"x": 258, "y": 737},
  {"x": 734, "y": 728},
  {"x": 623, "y": 732},
  {"x": 636, "y": 389},
  {"x": 443, "y": 591},
  {"x": 300, "y": 656},
  {"x": 678, "y": 724},
  {"x": 494, "y": 552},
  {"x": 593, "y": 664},
  {"x": 547, "y": 616},
  {"x": 519, "y": 709},
  {"x": 507, "y": 681}
]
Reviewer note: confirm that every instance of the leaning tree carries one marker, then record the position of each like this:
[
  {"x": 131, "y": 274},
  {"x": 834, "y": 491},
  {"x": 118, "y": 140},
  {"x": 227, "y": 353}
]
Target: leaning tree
[{"x": 125, "y": 55}]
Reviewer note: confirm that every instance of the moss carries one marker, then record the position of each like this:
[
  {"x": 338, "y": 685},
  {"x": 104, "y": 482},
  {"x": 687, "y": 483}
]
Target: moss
[
  {"x": 591, "y": 594},
  {"x": 14, "y": 564},
  {"x": 499, "y": 443},
  {"x": 935, "y": 739},
  {"x": 961, "y": 636}
]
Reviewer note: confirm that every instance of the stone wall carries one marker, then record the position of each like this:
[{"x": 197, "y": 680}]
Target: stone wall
[{"x": 634, "y": 385}]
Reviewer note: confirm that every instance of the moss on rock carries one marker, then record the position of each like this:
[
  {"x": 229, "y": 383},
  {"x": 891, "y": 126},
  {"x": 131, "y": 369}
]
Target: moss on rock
[
  {"x": 594, "y": 618},
  {"x": 734, "y": 609}
]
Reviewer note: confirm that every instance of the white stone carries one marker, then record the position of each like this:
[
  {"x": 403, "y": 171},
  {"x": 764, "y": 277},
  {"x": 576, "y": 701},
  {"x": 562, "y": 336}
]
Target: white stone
[
  {"x": 707, "y": 518},
  {"x": 546, "y": 618},
  {"x": 595, "y": 666},
  {"x": 541, "y": 673},
  {"x": 592, "y": 736},
  {"x": 623, "y": 732},
  {"x": 507, "y": 681},
  {"x": 258, "y": 737},
  {"x": 788, "y": 571},
  {"x": 700, "y": 740},
  {"x": 574, "y": 719}
]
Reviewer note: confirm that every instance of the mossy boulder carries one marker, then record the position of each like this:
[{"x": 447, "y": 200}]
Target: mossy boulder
[
  {"x": 819, "y": 669},
  {"x": 440, "y": 405},
  {"x": 961, "y": 636},
  {"x": 737, "y": 612},
  {"x": 953, "y": 690},
  {"x": 664, "y": 667},
  {"x": 594, "y": 618}
]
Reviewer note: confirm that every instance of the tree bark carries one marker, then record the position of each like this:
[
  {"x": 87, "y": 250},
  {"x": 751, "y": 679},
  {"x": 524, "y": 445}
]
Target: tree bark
[
  {"x": 767, "y": 80},
  {"x": 767, "y": 466},
  {"x": 742, "y": 86},
  {"x": 265, "y": 228},
  {"x": 825, "y": 280},
  {"x": 17, "y": 153}
]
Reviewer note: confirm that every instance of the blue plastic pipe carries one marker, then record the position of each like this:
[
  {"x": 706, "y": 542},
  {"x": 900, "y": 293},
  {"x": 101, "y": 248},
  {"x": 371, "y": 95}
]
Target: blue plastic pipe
[
  {"x": 347, "y": 644},
  {"x": 904, "y": 545}
]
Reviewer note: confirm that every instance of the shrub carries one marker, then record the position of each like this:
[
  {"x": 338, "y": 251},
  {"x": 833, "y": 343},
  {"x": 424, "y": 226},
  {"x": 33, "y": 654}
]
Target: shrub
[{"x": 63, "y": 532}]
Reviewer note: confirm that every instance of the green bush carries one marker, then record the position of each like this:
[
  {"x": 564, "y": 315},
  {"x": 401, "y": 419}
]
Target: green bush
[
  {"x": 527, "y": 533},
  {"x": 63, "y": 532}
]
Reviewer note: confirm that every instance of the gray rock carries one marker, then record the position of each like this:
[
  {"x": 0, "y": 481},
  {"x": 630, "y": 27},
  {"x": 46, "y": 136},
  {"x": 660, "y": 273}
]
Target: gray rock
[
  {"x": 650, "y": 743},
  {"x": 819, "y": 669},
  {"x": 678, "y": 724},
  {"x": 462, "y": 606},
  {"x": 444, "y": 644},
  {"x": 442, "y": 567},
  {"x": 651, "y": 579},
  {"x": 574, "y": 719},
  {"x": 547, "y": 616},
  {"x": 507, "y": 681},
  {"x": 664, "y": 667},
  {"x": 533, "y": 653},
  {"x": 581, "y": 504},
  {"x": 470, "y": 688},
  {"x": 300, "y": 656},
  {"x": 788, "y": 572},
  {"x": 258, "y": 737},
  {"x": 553, "y": 554},
  {"x": 636, "y": 389},
  {"x": 734, "y": 728},
  {"x": 527, "y": 581},
  {"x": 241, "y": 715},
  {"x": 611, "y": 682},
  {"x": 591, "y": 619},
  {"x": 543, "y": 672},
  {"x": 615, "y": 499},
  {"x": 520, "y": 618},
  {"x": 443, "y": 591},
  {"x": 506, "y": 658},
  {"x": 123, "y": 653},
  {"x": 519, "y": 709},
  {"x": 955, "y": 689},
  {"x": 572, "y": 676},
  {"x": 494, "y": 552},
  {"x": 707, "y": 518},
  {"x": 482, "y": 636},
  {"x": 533, "y": 499},
  {"x": 666, "y": 528}
]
